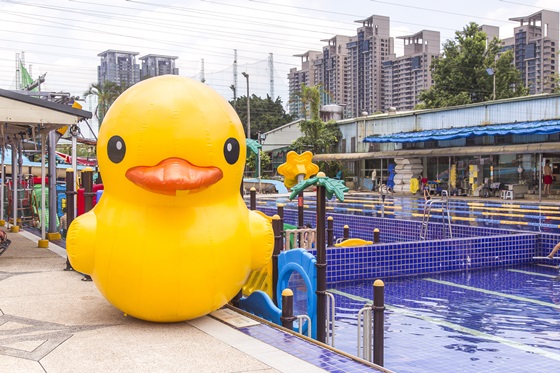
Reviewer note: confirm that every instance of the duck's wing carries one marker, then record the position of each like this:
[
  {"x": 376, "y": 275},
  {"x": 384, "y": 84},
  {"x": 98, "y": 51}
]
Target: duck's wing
[
  {"x": 80, "y": 242},
  {"x": 262, "y": 240}
]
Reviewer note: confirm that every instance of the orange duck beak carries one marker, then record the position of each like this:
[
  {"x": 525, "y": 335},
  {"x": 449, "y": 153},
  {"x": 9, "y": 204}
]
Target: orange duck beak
[{"x": 173, "y": 174}]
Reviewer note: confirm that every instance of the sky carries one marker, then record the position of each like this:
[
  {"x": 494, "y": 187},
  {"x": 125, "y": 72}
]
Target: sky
[{"x": 63, "y": 37}]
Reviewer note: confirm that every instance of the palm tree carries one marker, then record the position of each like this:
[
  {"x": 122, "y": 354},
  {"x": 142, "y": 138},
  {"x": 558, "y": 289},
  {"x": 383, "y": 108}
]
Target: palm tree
[
  {"x": 309, "y": 96},
  {"x": 106, "y": 93}
]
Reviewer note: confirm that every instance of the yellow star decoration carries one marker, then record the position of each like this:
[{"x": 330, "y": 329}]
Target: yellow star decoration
[{"x": 297, "y": 165}]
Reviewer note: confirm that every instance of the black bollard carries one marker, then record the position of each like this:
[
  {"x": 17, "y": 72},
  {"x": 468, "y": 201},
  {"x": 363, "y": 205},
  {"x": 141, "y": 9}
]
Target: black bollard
[
  {"x": 288, "y": 317},
  {"x": 376, "y": 235},
  {"x": 378, "y": 309},
  {"x": 278, "y": 243},
  {"x": 346, "y": 234},
  {"x": 253, "y": 199},
  {"x": 280, "y": 212},
  {"x": 70, "y": 193},
  {"x": 87, "y": 181},
  {"x": 330, "y": 231}
]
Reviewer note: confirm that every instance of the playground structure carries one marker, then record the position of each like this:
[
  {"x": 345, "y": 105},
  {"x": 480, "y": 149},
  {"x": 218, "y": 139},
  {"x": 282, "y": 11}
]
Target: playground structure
[{"x": 288, "y": 260}]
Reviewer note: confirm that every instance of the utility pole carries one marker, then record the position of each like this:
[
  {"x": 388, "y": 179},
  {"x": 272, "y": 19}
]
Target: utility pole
[
  {"x": 248, "y": 106},
  {"x": 271, "y": 71}
]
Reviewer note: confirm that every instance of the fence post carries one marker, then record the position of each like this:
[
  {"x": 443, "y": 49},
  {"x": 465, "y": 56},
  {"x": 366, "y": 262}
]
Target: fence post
[
  {"x": 376, "y": 235},
  {"x": 330, "y": 231},
  {"x": 346, "y": 234},
  {"x": 280, "y": 212},
  {"x": 253, "y": 198},
  {"x": 378, "y": 321},
  {"x": 288, "y": 317},
  {"x": 87, "y": 181}
]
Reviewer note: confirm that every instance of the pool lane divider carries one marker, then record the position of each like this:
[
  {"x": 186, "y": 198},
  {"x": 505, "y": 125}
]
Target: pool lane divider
[
  {"x": 338, "y": 209},
  {"x": 532, "y": 273},
  {"x": 480, "y": 213},
  {"x": 456, "y": 327},
  {"x": 495, "y": 293}
]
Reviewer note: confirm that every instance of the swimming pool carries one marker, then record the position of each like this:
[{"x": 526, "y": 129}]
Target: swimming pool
[
  {"x": 490, "y": 320},
  {"x": 476, "y": 303}
]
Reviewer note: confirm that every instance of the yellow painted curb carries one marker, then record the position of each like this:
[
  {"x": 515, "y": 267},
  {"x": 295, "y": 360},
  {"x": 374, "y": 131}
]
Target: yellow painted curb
[
  {"x": 14, "y": 229},
  {"x": 43, "y": 244},
  {"x": 54, "y": 236}
]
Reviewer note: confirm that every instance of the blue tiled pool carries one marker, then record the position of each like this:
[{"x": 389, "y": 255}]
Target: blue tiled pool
[
  {"x": 476, "y": 302},
  {"x": 492, "y": 320},
  {"x": 520, "y": 215}
]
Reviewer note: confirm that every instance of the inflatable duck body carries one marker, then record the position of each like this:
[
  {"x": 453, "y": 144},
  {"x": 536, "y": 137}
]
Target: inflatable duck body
[{"x": 171, "y": 239}]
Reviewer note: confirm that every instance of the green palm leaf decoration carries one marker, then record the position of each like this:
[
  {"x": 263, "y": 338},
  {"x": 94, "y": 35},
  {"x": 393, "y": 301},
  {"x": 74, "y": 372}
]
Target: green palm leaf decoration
[
  {"x": 253, "y": 146},
  {"x": 332, "y": 186}
]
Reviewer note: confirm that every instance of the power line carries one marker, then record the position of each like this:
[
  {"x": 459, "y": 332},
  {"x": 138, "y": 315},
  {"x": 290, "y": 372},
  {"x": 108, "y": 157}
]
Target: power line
[{"x": 437, "y": 11}]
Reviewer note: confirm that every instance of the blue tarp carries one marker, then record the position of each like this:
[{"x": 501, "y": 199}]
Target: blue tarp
[{"x": 522, "y": 128}]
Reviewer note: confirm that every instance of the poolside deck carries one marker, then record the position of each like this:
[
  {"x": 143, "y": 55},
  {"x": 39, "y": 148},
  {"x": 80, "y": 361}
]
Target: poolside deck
[{"x": 51, "y": 321}]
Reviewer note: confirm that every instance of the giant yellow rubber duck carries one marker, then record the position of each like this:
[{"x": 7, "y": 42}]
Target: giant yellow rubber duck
[{"x": 171, "y": 238}]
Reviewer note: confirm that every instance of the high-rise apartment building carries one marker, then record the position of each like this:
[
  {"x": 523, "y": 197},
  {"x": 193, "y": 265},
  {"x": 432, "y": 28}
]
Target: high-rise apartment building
[
  {"x": 361, "y": 73},
  {"x": 535, "y": 44},
  {"x": 403, "y": 78},
  {"x": 335, "y": 57},
  {"x": 307, "y": 75},
  {"x": 348, "y": 69},
  {"x": 119, "y": 67},
  {"x": 366, "y": 52},
  {"x": 156, "y": 64}
]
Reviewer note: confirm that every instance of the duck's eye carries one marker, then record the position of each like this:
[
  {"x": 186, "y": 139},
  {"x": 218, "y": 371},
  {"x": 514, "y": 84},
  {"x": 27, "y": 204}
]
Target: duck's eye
[
  {"x": 231, "y": 150},
  {"x": 116, "y": 149}
]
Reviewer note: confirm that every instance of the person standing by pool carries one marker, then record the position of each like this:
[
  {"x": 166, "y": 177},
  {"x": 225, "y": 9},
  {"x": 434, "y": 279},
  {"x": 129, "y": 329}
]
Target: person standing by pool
[
  {"x": 547, "y": 179},
  {"x": 374, "y": 180},
  {"x": 425, "y": 187}
]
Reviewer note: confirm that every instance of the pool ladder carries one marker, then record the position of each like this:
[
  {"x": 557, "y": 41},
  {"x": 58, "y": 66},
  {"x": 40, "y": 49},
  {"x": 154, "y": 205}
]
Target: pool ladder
[{"x": 444, "y": 202}]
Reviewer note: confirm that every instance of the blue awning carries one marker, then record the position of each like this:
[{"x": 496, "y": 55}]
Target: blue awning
[{"x": 521, "y": 128}]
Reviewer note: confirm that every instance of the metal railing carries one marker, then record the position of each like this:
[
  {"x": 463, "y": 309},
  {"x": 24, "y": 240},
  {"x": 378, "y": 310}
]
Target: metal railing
[
  {"x": 444, "y": 202},
  {"x": 330, "y": 318},
  {"x": 365, "y": 333}
]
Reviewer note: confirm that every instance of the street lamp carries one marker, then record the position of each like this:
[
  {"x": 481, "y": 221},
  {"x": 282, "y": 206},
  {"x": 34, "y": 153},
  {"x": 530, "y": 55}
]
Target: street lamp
[
  {"x": 248, "y": 106},
  {"x": 490, "y": 71}
]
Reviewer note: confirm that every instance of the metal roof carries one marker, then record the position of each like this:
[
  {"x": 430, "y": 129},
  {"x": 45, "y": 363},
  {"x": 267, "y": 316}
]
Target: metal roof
[
  {"x": 519, "y": 128},
  {"x": 21, "y": 114}
]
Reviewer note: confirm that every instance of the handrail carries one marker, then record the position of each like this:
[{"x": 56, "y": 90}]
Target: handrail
[
  {"x": 444, "y": 213},
  {"x": 330, "y": 316},
  {"x": 365, "y": 333}
]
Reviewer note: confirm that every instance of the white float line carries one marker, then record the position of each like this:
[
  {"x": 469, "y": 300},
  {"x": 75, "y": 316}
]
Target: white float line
[
  {"x": 532, "y": 273},
  {"x": 459, "y": 328},
  {"x": 496, "y": 293}
]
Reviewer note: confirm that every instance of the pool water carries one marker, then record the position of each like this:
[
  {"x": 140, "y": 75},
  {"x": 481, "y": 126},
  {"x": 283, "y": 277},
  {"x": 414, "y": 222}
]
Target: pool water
[{"x": 494, "y": 320}]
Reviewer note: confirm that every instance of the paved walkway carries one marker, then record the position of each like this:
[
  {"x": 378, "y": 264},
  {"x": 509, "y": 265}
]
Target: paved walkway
[{"x": 51, "y": 321}]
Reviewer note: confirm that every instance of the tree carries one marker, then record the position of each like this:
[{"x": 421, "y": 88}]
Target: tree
[
  {"x": 266, "y": 114},
  {"x": 318, "y": 136},
  {"x": 461, "y": 75},
  {"x": 106, "y": 93},
  {"x": 310, "y": 98},
  {"x": 252, "y": 162}
]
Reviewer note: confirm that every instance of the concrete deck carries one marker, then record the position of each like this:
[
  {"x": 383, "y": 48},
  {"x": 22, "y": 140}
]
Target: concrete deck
[{"x": 52, "y": 321}]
